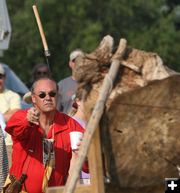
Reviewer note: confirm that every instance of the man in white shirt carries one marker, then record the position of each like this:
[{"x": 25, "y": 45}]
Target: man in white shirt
[{"x": 10, "y": 101}]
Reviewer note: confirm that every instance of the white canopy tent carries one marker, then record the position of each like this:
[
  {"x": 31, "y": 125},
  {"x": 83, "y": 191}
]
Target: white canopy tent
[{"x": 5, "y": 27}]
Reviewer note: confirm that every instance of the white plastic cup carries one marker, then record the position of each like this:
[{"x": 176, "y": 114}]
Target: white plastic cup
[{"x": 75, "y": 137}]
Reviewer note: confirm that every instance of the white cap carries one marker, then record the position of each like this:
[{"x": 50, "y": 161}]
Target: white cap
[
  {"x": 2, "y": 71},
  {"x": 74, "y": 54}
]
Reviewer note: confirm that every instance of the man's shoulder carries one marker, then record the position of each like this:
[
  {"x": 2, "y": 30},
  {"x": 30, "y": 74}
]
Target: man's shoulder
[
  {"x": 21, "y": 111},
  {"x": 65, "y": 80},
  {"x": 67, "y": 122},
  {"x": 10, "y": 93},
  {"x": 62, "y": 117},
  {"x": 18, "y": 115}
]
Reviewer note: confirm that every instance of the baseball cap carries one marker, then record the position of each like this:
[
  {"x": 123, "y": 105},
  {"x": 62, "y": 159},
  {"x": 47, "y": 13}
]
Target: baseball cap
[
  {"x": 74, "y": 54},
  {"x": 2, "y": 71}
]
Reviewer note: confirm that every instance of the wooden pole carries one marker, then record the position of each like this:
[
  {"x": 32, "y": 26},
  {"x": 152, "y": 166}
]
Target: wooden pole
[
  {"x": 96, "y": 115},
  {"x": 41, "y": 31}
]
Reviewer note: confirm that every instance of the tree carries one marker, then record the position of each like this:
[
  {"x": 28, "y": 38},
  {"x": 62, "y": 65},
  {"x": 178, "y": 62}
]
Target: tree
[{"x": 148, "y": 25}]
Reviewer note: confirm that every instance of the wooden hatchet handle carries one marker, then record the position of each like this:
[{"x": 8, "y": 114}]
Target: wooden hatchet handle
[{"x": 41, "y": 30}]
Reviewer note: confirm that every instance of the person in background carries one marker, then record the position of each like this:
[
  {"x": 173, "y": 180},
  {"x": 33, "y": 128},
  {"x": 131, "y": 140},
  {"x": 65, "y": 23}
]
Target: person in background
[
  {"x": 40, "y": 70},
  {"x": 78, "y": 114},
  {"x": 78, "y": 111},
  {"x": 68, "y": 85},
  {"x": 41, "y": 141},
  {"x": 3, "y": 160},
  {"x": 10, "y": 101}
]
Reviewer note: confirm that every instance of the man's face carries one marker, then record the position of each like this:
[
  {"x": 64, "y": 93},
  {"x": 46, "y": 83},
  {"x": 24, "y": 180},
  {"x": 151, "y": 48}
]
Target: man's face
[
  {"x": 44, "y": 96},
  {"x": 42, "y": 72},
  {"x": 2, "y": 82}
]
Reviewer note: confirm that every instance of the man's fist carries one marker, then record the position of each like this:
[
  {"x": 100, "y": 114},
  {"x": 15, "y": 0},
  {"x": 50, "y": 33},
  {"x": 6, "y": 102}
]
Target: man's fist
[{"x": 33, "y": 115}]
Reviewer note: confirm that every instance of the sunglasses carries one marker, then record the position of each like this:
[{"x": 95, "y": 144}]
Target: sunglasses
[
  {"x": 43, "y": 94},
  {"x": 42, "y": 72}
]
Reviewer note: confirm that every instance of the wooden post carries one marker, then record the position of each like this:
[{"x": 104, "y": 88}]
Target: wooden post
[{"x": 95, "y": 164}]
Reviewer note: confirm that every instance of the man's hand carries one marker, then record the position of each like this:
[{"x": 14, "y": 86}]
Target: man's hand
[{"x": 33, "y": 115}]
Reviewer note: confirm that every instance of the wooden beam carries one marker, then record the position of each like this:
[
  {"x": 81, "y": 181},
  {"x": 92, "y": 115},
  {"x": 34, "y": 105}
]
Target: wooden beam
[
  {"x": 95, "y": 164},
  {"x": 79, "y": 189}
]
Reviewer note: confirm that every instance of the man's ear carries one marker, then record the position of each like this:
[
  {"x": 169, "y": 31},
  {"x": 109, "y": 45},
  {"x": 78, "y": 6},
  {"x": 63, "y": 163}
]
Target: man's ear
[
  {"x": 33, "y": 99},
  {"x": 71, "y": 64}
]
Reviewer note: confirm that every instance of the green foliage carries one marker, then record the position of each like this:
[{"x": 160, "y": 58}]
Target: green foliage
[{"x": 148, "y": 25}]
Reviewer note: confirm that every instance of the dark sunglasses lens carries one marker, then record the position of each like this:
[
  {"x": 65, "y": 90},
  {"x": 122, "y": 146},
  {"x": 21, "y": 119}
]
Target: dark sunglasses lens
[
  {"x": 42, "y": 73},
  {"x": 42, "y": 95},
  {"x": 52, "y": 94}
]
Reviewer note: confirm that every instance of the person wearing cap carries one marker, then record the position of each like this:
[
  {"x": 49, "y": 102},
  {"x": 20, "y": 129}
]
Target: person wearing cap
[
  {"x": 10, "y": 101},
  {"x": 68, "y": 86}
]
